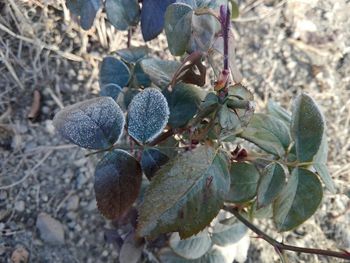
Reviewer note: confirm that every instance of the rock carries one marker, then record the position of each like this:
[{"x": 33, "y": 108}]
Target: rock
[
  {"x": 20, "y": 206},
  {"x": 20, "y": 255},
  {"x": 72, "y": 203},
  {"x": 50, "y": 229}
]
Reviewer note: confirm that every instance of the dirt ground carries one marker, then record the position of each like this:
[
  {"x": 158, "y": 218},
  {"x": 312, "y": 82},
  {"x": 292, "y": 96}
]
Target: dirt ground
[{"x": 283, "y": 48}]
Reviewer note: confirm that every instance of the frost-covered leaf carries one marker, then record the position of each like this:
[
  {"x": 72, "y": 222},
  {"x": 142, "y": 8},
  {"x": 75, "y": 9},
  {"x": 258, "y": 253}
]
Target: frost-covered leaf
[
  {"x": 307, "y": 127},
  {"x": 94, "y": 124},
  {"x": 214, "y": 255},
  {"x": 271, "y": 184},
  {"x": 151, "y": 161},
  {"x": 269, "y": 133},
  {"x": 178, "y": 19},
  {"x": 114, "y": 71},
  {"x": 186, "y": 193},
  {"x": 228, "y": 118},
  {"x": 118, "y": 179},
  {"x": 193, "y": 247},
  {"x": 160, "y": 72},
  {"x": 133, "y": 54},
  {"x": 183, "y": 101},
  {"x": 110, "y": 90},
  {"x": 123, "y": 13},
  {"x": 152, "y": 17},
  {"x": 244, "y": 182},
  {"x": 148, "y": 115},
  {"x": 320, "y": 165},
  {"x": 276, "y": 110},
  {"x": 298, "y": 201}
]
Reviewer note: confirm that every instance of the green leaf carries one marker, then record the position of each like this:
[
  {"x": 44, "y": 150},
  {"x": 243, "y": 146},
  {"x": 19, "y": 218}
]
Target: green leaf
[
  {"x": 133, "y": 54},
  {"x": 277, "y": 111},
  {"x": 151, "y": 161},
  {"x": 111, "y": 90},
  {"x": 228, "y": 118},
  {"x": 160, "y": 71},
  {"x": 177, "y": 27},
  {"x": 147, "y": 115},
  {"x": 166, "y": 255},
  {"x": 244, "y": 181},
  {"x": 114, "y": 71},
  {"x": 204, "y": 30},
  {"x": 183, "y": 101},
  {"x": 186, "y": 193},
  {"x": 228, "y": 234},
  {"x": 118, "y": 179},
  {"x": 140, "y": 78},
  {"x": 123, "y": 13},
  {"x": 193, "y": 247},
  {"x": 320, "y": 165},
  {"x": 298, "y": 201},
  {"x": 93, "y": 124},
  {"x": 271, "y": 184},
  {"x": 307, "y": 127},
  {"x": 234, "y": 9},
  {"x": 269, "y": 133},
  {"x": 88, "y": 13}
]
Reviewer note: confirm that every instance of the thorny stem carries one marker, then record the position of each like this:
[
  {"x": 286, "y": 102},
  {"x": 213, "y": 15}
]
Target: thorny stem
[
  {"x": 279, "y": 246},
  {"x": 225, "y": 28},
  {"x": 162, "y": 137},
  {"x": 128, "y": 44}
]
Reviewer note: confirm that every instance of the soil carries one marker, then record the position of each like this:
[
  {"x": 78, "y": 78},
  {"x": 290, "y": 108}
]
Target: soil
[{"x": 283, "y": 48}]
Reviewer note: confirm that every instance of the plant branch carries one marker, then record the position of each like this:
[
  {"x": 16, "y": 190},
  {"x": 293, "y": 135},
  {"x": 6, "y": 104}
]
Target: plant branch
[
  {"x": 162, "y": 137},
  {"x": 279, "y": 246}
]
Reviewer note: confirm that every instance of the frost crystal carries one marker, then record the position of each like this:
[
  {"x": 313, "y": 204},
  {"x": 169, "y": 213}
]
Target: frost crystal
[{"x": 148, "y": 115}]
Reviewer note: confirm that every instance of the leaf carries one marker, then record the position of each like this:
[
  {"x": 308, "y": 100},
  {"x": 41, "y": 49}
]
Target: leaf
[
  {"x": 320, "y": 165},
  {"x": 269, "y": 133},
  {"x": 191, "y": 71},
  {"x": 271, "y": 184},
  {"x": 88, "y": 13},
  {"x": 186, "y": 193},
  {"x": 183, "y": 101},
  {"x": 298, "y": 201},
  {"x": 244, "y": 181},
  {"x": 133, "y": 54},
  {"x": 151, "y": 161},
  {"x": 234, "y": 9},
  {"x": 152, "y": 17},
  {"x": 228, "y": 234},
  {"x": 74, "y": 6},
  {"x": 114, "y": 71},
  {"x": 277, "y": 111},
  {"x": 131, "y": 250},
  {"x": 228, "y": 118},
  {"x": 307, "y": 127},
  {"x": 178, "y": 18},
  {"x": 213, "y": 256},
  {"x": 94, "y": 124},
  {"x": 118, "y": 179},
  {"x": 140, "y": 77},
  {"x": 160, "y": 71},
  {"x": 148, "y": 115},
  {"x": 110, "y": 90},
  {"x": 204, "y": 29},
  {"x": 193, "y": 247},
  {"x": 123, "y": 13}
]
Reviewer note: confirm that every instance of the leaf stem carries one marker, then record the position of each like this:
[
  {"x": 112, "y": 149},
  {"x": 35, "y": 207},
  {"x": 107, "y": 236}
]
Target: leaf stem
[{"x": 279, "y": 246}]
